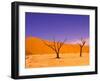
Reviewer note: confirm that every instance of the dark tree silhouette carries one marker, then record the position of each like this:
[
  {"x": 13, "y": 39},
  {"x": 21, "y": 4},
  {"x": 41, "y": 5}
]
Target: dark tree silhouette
[
  {"x": 56, "y": 46},
  {"x": 81, "y": 46}
]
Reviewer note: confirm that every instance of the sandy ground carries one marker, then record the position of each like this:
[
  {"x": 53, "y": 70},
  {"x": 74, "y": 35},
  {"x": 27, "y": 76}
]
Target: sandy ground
[{"x": 50, "y": 60}]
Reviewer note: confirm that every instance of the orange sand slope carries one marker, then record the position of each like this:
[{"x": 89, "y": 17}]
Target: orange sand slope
[
  {"x": 36, "y": 46},
  {"x": 39, "y": 55}
]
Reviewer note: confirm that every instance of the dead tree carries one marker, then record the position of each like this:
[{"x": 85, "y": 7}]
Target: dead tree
[
  {"x": 55, "y": 46},
  {"x": 81, "y": 46}
]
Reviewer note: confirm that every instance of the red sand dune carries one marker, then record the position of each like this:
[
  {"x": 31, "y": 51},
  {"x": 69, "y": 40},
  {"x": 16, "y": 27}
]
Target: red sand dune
[{"x": 36, "y": 46}]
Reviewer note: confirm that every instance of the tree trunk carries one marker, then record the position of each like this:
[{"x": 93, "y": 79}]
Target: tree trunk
[
  {"x": 81, "y": 52},
  {"x": 57, "y": 55}
]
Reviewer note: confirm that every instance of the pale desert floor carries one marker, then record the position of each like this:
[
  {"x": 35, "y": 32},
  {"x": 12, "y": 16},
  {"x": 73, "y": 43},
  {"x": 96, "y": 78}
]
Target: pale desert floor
[{"x": 50, "y": 60}]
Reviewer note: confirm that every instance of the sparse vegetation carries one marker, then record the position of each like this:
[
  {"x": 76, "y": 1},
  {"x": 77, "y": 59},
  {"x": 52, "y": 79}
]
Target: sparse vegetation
[
  {"x": 56, "y": 46},
  {"x": 41, "y": 53},
  {"x": 81, "y": 46}
]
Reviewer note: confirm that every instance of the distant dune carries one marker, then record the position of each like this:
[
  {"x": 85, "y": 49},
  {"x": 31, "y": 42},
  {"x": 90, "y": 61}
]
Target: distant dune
[{"x": 36, "y": 46}]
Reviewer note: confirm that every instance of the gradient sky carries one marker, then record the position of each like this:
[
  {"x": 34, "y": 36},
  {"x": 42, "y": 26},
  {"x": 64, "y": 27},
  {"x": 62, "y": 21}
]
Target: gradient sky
[{"x": 60, "y": 26}]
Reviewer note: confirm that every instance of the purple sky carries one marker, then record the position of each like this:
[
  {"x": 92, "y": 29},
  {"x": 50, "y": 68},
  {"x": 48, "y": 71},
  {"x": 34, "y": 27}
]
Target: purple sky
[{"x": 60, "y": 26}]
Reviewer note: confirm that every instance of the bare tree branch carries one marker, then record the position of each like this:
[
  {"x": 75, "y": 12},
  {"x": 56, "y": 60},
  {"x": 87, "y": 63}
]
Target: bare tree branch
[
  {"x": 56, "y": 46},
  {"x": 48, "y": 45},
  {"x": 81, "y": 45}
]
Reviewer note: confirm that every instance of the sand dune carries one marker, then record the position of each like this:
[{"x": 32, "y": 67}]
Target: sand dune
[
  {"x": 39, "y": 55},
  {"x": 36, "y": 46}
]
